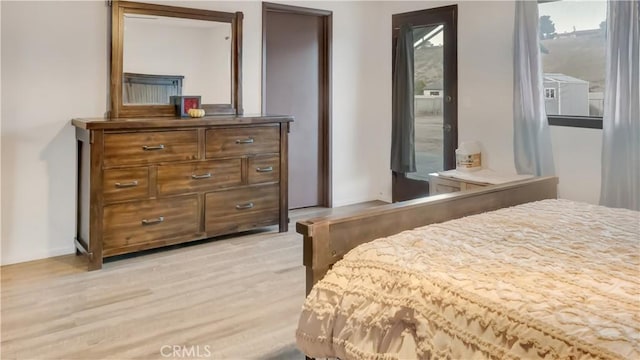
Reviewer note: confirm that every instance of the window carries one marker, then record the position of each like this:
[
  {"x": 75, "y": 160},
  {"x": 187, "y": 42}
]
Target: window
[
  {"x": 572, "y": 45},
  {"x": 549, "y": 93}
]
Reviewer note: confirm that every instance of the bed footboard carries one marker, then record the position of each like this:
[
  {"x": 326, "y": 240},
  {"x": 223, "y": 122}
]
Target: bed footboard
[{"x": 328, "y": 239}]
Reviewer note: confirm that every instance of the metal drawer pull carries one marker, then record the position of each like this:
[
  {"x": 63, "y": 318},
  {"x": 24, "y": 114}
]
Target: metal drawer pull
[
  {"x": 244, "y": 206},
  {"x": 153, "y": 221},
  {"x": 155, "y": 147},
  {"x": 128, "y": 184},
  {"x": 264, "y": 169},
  {"x": 245, "y": 141},
  {"x": 203, "y": 176}
]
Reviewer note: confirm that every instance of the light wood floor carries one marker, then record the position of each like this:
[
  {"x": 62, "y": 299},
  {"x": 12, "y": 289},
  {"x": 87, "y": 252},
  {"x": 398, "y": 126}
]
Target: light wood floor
[{"x": 234, "y": 298}]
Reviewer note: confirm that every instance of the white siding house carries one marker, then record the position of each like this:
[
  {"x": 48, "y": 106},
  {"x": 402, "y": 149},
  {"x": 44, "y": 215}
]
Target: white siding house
[{"x": 566, "y": 95}]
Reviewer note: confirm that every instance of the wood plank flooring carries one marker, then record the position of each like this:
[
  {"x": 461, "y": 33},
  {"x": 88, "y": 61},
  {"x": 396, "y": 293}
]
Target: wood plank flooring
[{"x": 233, "y": 298}]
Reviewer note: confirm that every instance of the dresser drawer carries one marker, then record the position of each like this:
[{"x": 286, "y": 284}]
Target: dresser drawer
[
  {"x": 241, "y": 209},
  {"x": 470, "y": 186},
  {"x": 445, "y": 189},
  {"x": 148, "y": 221},
  {"x": 125, "y": 184},
  {"x": 264, "y": 169},
  {"x": 150, "y": 147},
  {"x": 242, "y": 141},
  {"x": 200, "y": 176}
]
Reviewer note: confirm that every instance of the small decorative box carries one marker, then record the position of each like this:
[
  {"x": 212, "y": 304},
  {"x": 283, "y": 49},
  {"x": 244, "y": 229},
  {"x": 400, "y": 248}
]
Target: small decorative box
[{"x": 185, "y": 103}]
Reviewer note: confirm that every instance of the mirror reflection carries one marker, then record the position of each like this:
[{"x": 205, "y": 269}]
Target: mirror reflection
[{"x": 165, "y": 56}]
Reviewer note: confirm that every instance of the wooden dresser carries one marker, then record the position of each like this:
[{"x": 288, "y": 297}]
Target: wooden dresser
[{"x": 150, "y": 182}]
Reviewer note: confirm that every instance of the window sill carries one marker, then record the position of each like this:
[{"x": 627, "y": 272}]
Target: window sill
[{"x": 575, "y": 121}]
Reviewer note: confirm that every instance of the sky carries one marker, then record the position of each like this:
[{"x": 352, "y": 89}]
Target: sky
[
  {"x": 582, "y": 14},
  {"x": 565, "y": 14}
]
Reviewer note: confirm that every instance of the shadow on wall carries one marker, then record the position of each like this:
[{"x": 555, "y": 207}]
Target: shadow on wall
[
  {"x": 38, "y": 202},
  {"x": 60, "y": 156},
  {"x": 8, "y": 195}
]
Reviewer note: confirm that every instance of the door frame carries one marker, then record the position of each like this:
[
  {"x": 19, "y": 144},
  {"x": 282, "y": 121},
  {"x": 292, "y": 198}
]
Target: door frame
[
  {"x": 324, "y": 101},
  {"x": 402, "y": 187}
]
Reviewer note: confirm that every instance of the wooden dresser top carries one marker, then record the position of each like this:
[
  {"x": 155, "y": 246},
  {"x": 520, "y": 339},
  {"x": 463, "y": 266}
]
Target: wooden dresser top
[{"x": 177, "y": 122}]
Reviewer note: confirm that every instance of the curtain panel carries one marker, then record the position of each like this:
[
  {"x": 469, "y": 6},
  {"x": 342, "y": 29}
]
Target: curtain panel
[
  {"x": 403, "y": 158},
  {"x": 531, "y": 135},
  {"x": 620, "y": 185}
]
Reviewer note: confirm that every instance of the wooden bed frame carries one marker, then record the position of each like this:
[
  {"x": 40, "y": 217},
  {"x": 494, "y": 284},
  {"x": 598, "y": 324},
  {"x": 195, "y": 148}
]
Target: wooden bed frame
[{"x": 328, "y": 239}]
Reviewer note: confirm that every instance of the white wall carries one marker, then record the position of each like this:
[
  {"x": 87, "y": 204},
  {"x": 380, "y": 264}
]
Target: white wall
[
  {"x": 0, "y": 143},
  {"x": 577, "y": 154},
  {"x": 361, "y": 79},
  {"x": 55, "y": 67},
  {"x": 360, "y": 134},
  {"x": 202, "y": 54},
  {"x": 485, "y": 53},
  {"x": 484, "y": 57},
  {"x": 251, "y": 44}
]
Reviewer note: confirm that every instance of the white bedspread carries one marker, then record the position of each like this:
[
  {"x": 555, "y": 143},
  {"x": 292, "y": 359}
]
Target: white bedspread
[{"x": 552, "y": 279}]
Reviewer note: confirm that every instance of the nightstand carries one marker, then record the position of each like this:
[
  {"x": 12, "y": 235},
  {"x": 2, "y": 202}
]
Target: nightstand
[
  {"x": 441, "y": 184},
  {"x": 456, "y": 180}
]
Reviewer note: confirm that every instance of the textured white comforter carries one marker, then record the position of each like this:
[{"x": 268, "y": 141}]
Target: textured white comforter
[{"x": 551, "y": 279}]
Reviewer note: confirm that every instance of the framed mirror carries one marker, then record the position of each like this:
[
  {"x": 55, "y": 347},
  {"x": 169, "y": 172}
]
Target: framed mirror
[{"x": 161, "y": 54}]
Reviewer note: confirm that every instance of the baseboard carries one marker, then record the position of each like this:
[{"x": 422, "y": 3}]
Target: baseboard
[{"x": 20, "y": 258}]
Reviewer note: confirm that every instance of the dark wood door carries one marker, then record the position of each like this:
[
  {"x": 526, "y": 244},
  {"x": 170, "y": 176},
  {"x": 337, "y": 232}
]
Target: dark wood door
[
  {"x": 293, "y": 85},
  {"x": 435, "y": 97}
]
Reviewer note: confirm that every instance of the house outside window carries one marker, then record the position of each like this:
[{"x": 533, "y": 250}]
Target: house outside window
[{"x": 572, "y": 44}]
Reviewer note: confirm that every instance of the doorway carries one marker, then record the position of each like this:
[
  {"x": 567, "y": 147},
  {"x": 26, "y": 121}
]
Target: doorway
[
  {"x": 296, "y": 69},
  {"x": 435, "y": 69}
]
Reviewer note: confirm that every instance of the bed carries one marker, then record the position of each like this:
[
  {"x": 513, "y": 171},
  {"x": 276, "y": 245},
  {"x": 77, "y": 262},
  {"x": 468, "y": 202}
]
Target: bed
[
  {"x": 150, "y": 88},
  {"x": 503, "y": 272}
]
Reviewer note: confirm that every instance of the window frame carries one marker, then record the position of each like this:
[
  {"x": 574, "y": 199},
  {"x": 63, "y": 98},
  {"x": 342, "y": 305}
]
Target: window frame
[{"x": 586, "y": 122}]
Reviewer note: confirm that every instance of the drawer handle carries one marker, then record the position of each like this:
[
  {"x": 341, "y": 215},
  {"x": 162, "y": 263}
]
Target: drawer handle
[
  {"x": 127, "y": 184},
  {"x": 154, "y": 147},
  {"x": 244, "y": 206},
  {"x": 245, "y": 141},
  {"x": 203, "y": 176},
  {"x": 264, "y": 169},
  {"x": 157, "y": 220}
]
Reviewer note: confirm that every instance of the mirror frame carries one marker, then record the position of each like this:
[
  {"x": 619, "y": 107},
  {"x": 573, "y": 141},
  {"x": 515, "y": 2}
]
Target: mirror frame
[{"x": 119, "y": 8}]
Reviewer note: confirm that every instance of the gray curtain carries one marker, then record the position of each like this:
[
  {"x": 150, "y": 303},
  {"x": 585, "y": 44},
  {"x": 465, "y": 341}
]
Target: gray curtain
[
  {"x": 621, "y": 121},
  {"x": 403, "y": 157},
  {"x": 531, "y": 135}
]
